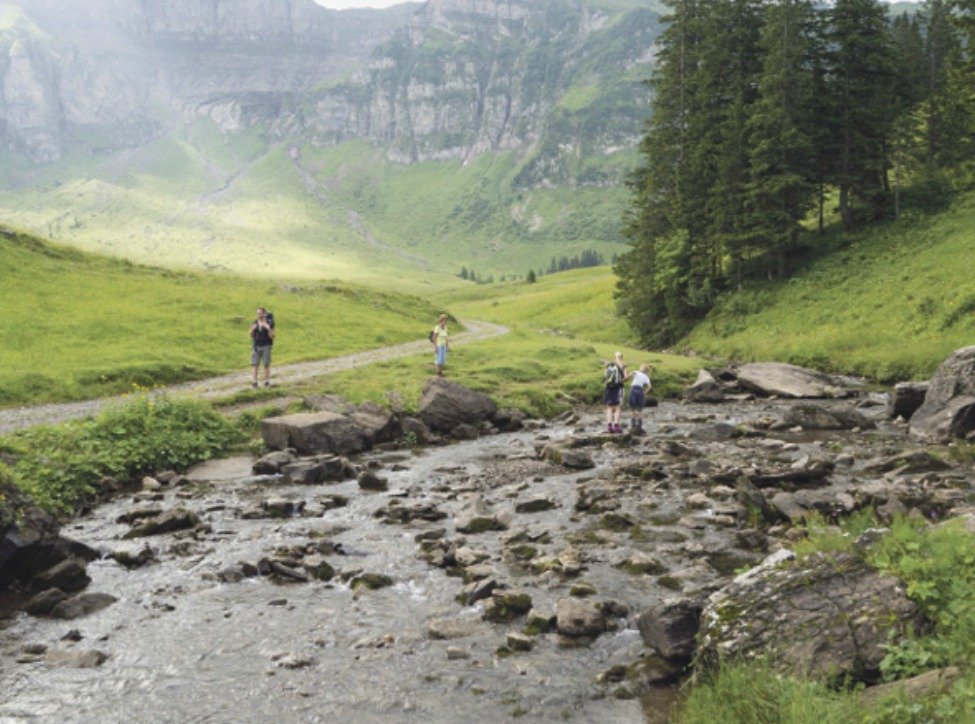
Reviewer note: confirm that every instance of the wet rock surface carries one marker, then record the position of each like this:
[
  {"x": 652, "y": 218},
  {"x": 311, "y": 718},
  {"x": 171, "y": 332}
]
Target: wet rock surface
[{"x": 488, "y": 577}]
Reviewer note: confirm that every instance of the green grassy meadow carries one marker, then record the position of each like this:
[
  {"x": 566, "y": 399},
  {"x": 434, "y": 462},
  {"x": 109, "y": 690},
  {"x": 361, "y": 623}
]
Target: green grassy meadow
[
  {"x": 891, "y": 303},
  {"x": 202, "y": 200},
  {"x": 83, "y": 326},
  {"x": 99, "y": 326}
]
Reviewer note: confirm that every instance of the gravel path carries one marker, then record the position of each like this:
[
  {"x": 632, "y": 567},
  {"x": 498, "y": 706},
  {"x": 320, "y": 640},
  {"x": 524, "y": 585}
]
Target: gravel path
[{"x": 283, "y": 375}]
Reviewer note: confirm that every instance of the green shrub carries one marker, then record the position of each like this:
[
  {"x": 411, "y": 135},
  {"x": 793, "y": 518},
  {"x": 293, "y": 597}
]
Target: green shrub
[
  {"x": 824, "y": 538},
  {"x": 61, "y": 466},
  {"x": 937, "y": 565},
  {"x": 753, "y": 693}
]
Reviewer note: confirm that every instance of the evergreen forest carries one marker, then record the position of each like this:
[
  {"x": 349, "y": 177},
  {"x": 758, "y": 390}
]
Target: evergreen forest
[{"x": 775, "y": 120}]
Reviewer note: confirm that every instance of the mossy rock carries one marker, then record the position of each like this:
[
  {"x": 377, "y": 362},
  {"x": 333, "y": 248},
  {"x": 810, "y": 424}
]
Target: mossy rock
[
  {"x": 670, "y": 582},
  {"x": 524, "y": 552},
  {"x": 371, "y": 581},
  {"x": 537, "y": 625},
  {"x": 582, "y": 590},
  {"x": 615, "y": 522}
]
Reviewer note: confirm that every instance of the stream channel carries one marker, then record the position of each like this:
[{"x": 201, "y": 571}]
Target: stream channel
[{"x": 184, "y": 646}]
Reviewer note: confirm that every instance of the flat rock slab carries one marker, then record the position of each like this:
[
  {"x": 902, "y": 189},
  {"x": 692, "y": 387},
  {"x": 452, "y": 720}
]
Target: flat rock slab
[
  {"x": 784, "y": 380},
  {"x": 311, "y": 433},
  {"x": 222, "y": 470}
]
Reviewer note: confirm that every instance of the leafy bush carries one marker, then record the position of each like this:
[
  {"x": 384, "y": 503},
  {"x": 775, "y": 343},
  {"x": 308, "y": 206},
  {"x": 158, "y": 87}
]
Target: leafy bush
[
  {"x": 753, "y": 693},
  {"x": 937, "y": 565},
  {"x": 62, "y": 466}
]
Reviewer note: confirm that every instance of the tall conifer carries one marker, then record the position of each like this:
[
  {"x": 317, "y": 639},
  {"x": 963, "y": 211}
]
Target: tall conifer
[
  {"x": 780, "y": 126},
  {"x": 861, "y": 85}
]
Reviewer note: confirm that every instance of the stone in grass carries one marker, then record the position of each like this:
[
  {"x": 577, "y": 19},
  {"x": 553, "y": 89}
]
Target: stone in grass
[{"x": 371, "y": 581}]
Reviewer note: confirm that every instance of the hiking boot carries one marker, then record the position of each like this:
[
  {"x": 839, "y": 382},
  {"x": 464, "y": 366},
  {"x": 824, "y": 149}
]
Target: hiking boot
[
  {"x": 609, "y": 429},
  {"x": 254, "y": 384},
  {"x": 267, "y": 383}
]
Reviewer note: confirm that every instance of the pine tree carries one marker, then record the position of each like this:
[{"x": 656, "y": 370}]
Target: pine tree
[
  {"x": 669, "y": 189},
  {"x": 861, "y": 87},
  {"x": 951, "y": 55},
  {"x": 781, "y": 188},
  {"x": 731, "y": 63}
]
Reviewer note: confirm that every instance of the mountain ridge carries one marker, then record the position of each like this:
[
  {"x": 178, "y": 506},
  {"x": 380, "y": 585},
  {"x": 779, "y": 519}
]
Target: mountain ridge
[{"x": 121, "y": 116}]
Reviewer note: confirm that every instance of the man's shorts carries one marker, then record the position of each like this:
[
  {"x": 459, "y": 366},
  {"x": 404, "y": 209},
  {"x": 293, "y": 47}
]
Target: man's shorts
[
  {"x": 613, "y": 395},
  {"x": 261, "y": 355},
  {"x": 637, "y": 399},
  {"x": 441, "y": 356}
]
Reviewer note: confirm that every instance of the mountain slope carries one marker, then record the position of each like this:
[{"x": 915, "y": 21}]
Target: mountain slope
[{"x": 454, "y": 133}]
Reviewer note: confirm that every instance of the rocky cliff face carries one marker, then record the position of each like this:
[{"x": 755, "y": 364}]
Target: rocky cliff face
[{"x": 445, "y": 79}]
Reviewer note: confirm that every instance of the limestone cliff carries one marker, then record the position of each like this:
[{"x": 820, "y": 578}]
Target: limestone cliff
[{"x": 557, "y": 80}]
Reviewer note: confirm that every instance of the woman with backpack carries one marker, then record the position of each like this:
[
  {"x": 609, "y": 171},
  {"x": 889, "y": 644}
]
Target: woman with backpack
[
  {"x": 613, "y": 378},
  {"x": 439, "y": 337}
]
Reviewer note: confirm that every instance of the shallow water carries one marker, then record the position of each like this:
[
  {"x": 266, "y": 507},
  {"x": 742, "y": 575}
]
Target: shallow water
[{"x": 185, "y": 648}]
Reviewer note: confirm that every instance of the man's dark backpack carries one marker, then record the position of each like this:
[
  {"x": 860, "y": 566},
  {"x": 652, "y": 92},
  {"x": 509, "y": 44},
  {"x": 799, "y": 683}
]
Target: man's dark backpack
[
  {"x": 270, "y": 320},
  {"x": 433, "y": 334}
]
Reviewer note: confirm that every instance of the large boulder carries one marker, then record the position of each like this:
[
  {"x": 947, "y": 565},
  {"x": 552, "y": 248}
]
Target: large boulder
[
  {"x": 784, "y": 380},
  {"x": 817, "y": 417},
  {"x": 30, "y": 540},
  {"x": 906, "y": 399},
  {"x": 705, "y": 389},
  {"x": 311, "y": 433},
  {"x": 949, "y": 405},
  {"x": 827, "y": 616},
  {"x": 445, "y": 405},
  {"x": 671, "y": 628},
  {"x": 377, "y": 424}
]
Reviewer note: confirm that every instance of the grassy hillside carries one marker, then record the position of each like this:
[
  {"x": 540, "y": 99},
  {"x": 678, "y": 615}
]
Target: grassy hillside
[
  {"x": 571, "y": 304},
  {"x": 81, "y": 326},
  {"x": 202, "y": 201},
  {"x": 563, "y": 329},
  {"x": 892, "y": 302}
]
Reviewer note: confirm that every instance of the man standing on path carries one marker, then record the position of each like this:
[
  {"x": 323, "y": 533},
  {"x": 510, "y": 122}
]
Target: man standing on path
[
  {"x": 441, "y": 345},
  {"x": 262, "y": 334}
]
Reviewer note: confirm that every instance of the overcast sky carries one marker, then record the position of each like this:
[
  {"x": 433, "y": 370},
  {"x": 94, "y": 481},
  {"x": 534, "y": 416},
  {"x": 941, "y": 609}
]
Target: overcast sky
[{"x": 340, "y": 4}]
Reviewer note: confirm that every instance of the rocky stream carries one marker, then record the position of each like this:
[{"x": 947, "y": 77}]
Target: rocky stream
[{"x": 448, "y": 570}]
